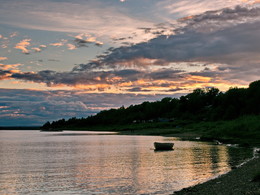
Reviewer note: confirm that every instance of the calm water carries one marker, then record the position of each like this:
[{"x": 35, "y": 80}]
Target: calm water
[{"x": 34, "y": 162}]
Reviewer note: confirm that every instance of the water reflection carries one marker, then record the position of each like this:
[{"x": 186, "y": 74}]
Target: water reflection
[{"x": 107, "y": 164}]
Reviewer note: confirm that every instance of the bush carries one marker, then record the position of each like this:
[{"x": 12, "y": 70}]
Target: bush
[{"x": 257, "y": 177}]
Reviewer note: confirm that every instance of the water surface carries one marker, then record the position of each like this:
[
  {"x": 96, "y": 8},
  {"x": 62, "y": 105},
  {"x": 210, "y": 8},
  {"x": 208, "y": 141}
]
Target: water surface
[{"x": 34, "y": 162}]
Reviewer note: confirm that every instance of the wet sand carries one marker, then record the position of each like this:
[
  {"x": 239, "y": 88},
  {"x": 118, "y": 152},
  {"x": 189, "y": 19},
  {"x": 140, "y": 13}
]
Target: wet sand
[{"x": 236, "y": 182}]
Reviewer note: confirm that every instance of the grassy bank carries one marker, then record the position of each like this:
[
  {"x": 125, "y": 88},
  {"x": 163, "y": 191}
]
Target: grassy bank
[{"x": 244, "y": 130}]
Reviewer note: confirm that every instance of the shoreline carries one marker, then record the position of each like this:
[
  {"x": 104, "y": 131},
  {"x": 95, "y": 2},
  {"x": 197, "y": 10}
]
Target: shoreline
[{"x": 238, "y": 181}]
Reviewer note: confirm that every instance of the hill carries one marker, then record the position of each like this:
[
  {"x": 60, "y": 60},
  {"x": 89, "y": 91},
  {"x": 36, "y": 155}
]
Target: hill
[
  {"x": 210, "y": 113},
  {"x": 207, "y": 104}
]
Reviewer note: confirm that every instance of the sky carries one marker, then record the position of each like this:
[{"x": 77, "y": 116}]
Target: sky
[{"x": 74, "y": 58}]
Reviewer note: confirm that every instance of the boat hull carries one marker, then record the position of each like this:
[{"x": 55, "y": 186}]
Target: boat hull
[{"x": 163, "y": 146}]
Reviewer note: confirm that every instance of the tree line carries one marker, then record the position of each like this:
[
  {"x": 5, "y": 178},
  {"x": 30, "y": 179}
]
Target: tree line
[{"x": 208, "y": 104}]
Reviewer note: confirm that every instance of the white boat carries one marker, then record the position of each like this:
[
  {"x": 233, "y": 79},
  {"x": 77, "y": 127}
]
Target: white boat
[{"x": 163, "y": 146}]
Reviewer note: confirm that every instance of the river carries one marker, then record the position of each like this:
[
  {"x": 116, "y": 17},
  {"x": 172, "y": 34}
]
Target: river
[{"x": 74, "y": 162}]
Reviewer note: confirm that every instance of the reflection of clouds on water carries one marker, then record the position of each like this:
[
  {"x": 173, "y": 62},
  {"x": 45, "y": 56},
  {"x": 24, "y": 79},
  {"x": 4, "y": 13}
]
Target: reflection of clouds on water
[
  {"x": 108, "y": 164},
  {"x": 82, "y": 133},
  {"x": 135, "y": 168}
]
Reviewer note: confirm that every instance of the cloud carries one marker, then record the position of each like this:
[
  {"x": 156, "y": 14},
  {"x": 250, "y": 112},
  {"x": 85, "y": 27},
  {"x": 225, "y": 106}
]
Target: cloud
[
  {"x": 5, "y": 74},
  {"x": 59, "y": 44},
  {"x": 71, "y": 46},
  {"x": 3, "y": 58},
  {"x": 80, "y": 40},
  {"x": 31, "y": 107},
  {"x": 53, "y": 60},
  {"x": 127, "y": 80},
  {"x": 183, "y": 8},
  {"x": 39, "y": 49},
  {"x": 94, "y": 17},
  {"x": 13, "y": 34},
  {"x": 211, "y": 37},
  {"x": 25, "y": 43},
  {"x": 22, "y": 45},
  {"x": 138, "y": 89},
  {"x": 83, "y": 39},
  {"x": 195, "y": 40},
  {"x": 203, "y": 51},
  {"x": 36, "y": 49},
  {"x": 220, "y": 19},
  {"x": 9, "y": 66}
]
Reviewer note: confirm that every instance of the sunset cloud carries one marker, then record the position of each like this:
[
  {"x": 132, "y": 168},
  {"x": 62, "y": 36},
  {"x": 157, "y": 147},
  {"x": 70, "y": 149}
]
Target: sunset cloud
[
  {"x": 86, "y": 17},
  {"x": 193, "y": 7},
  {"x": 71, "y": 46},
  {"x": 150, "y": 49},
  {"x": 53, "y": 105},
  {"x": 22, "y": 45},
  {"x": 3, "y": 58},
  {"x": 9, "y": 66},
  {"x": 59, "y": 44},
  {"x": 39, "y": 49},
  {"x": 159, "y": 64},
  {"x": 83, "y": 40}
]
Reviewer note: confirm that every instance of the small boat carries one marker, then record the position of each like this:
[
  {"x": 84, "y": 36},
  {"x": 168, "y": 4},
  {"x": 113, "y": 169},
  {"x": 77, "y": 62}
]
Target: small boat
[{"x": 163, "y": 146}]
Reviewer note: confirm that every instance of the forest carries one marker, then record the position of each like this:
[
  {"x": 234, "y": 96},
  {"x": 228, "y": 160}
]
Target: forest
[{"x": 209, "y": 104}]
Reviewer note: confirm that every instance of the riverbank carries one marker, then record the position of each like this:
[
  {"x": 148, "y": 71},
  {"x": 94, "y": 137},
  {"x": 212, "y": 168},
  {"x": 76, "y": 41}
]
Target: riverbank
[
  {"x": 240, "y": 181},
  {"x": 244, "y": 130}
]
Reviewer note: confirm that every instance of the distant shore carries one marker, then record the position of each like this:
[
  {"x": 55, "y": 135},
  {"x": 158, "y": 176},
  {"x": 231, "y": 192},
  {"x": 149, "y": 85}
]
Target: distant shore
[
  {"x": 239, "y": 181},
  {"x": 243, "y": 130}
]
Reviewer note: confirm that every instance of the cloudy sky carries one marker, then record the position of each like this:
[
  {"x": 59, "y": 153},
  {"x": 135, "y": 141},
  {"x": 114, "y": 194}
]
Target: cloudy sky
[{"x": 73, "y": 58}]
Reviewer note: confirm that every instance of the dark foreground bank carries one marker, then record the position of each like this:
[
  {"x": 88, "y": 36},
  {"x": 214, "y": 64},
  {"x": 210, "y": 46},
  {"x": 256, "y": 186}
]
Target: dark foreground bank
[{"x": 240, "y": 181}]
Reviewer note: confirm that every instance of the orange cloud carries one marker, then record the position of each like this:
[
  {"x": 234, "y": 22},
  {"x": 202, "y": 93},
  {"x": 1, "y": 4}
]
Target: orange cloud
[
  {"x": 9, "y": 66},
  {"x": 59, "y": 44},
  {"x": 22, "y": 45},
  {"x": 36, "y": 49},
  {"x": 186, "y": 18},
  {"x": 142, "y": 62},
  {"x": 71, "y": 46},
  {"x": 83, "y": 39},
  {"x": 3, "y": 58},
  {"x": 251, "y": 1},
  {"x": 199, "y": 78},
  {"x": 94, "y": 88}
]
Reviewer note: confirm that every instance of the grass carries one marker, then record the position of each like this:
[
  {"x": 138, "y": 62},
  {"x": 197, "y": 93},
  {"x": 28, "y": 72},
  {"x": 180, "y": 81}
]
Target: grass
[
  {"x": 256, "y": 177},
  {"x": 244, "y": 130}
]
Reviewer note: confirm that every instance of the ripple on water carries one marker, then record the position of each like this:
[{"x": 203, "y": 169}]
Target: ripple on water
[{"x": 82, "y": 163}]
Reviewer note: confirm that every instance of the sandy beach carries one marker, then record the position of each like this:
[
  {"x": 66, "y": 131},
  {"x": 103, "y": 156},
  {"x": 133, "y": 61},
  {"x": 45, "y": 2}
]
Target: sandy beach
[{"x": 239, "y": 181}]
